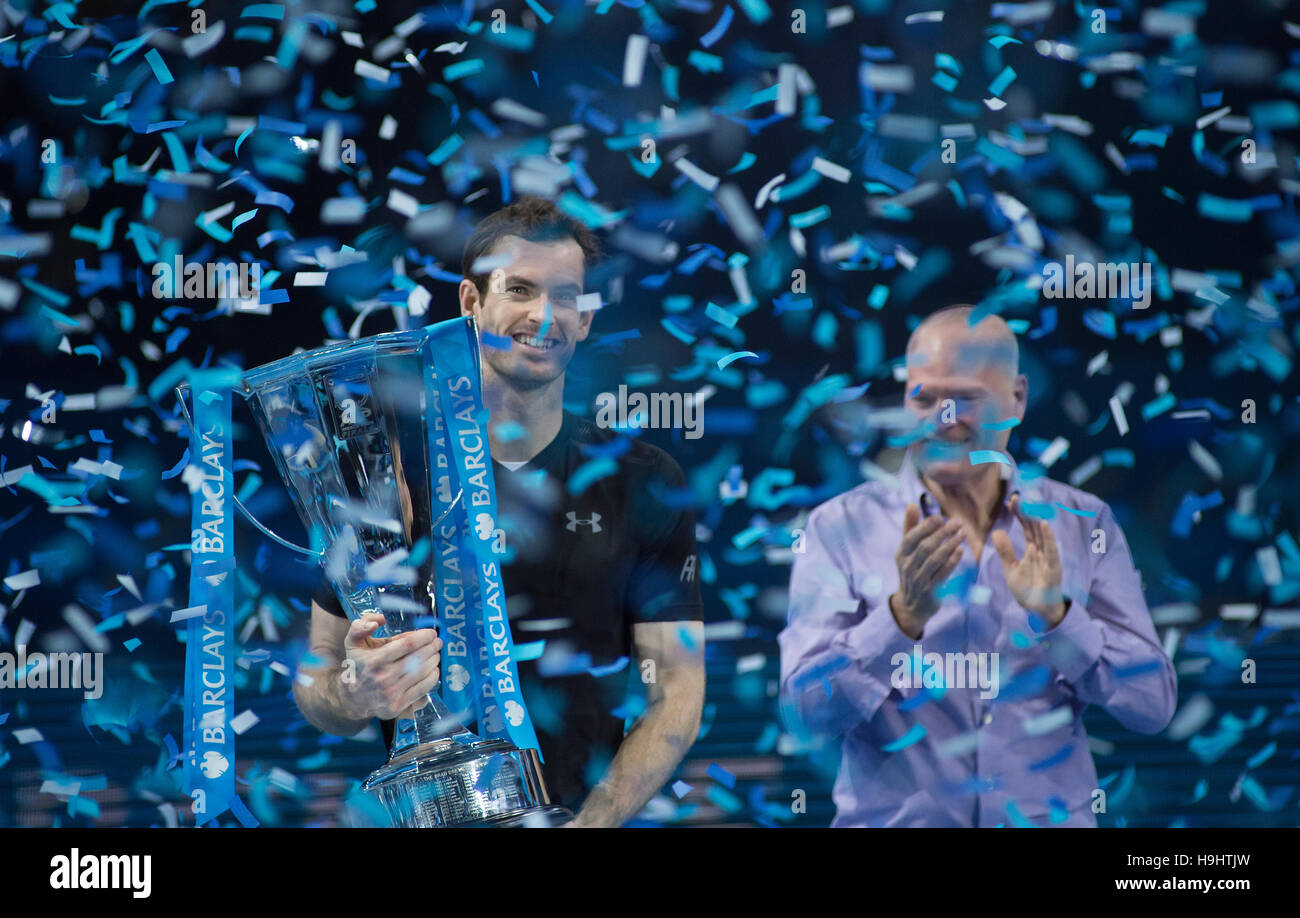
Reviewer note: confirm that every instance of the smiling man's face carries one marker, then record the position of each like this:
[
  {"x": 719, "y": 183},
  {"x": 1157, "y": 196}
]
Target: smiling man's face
[
  {"x": 532, "y": 300},
  {"x": 962, "y": 381}
]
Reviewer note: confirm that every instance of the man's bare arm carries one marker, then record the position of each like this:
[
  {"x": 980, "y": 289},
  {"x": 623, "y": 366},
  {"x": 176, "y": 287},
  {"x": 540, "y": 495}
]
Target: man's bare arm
[
  {"x": 316, "y": 688},
  {"x": 650, "y": 752}
]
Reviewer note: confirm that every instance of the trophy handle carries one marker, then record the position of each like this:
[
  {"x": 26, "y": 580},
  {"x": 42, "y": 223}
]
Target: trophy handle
[
  {"x": 180, "y": 397},
  {"x": 267, "y": 531}
]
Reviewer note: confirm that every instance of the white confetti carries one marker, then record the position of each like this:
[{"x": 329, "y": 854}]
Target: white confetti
[
  {"x": 1207, "y": 463},
  {"x": 243, "y": 722},
  {"x": 371, "y": 71},
  {"x": 1238, "y": 611},
  {"x": 768, "y": 190},
  {"x": 402, "y": 203},
  {"x": 1176, "y": 613},
  {"x": 511, "y": 110},
  {"x": 1117, "y": 411},
  {"x": 1055, "y": 450},
  {"x": 1206, "y": 120},
  {"x": 545, "y": 624},
  {"x": 169, "y": 815},
  {"x": 634, "y": 59},
  {"x": 1167, "y": 24},
  {"x": 1072, "y": 123},
  {"x": 330, "y": 141},
  {"x": 24, "y": 580},
  {"x": 282, "y": 779},
  {"x": 60, "y": 788},
  {"x": 837, "y": 16},
  {"x": 128, "y": 581},
  {"x": 194, "y": 45},
  {"x": 180, "y": 615},
  {"x": 419, "y": 300},
  {"x": 90, "y": 467},
  {"x": 731, "y": 200},
  {"x": 886, "y": 77},
  {"x": 696, "y": 174},
  {"x": 13, "y": 476},
  {"x": 786, "y": 89},
  {"x": 1194, "y": 714},
  {"x": 833, "y": 171},
  {"x": 728, "y": 631},
  {"x": 1270, "y": 568},
  {"x": 1281, "y": 618},
  {"x": 80, "y": 622},
  {"x": 1170, "y": 644},
  {"x": 1085, "y": 471},
  {"x": 1046, "y": 723},
  {"x": 25, "y": 631},
  {"x": 1024, "y": 13},
  {"x": 342, "y": 210}
]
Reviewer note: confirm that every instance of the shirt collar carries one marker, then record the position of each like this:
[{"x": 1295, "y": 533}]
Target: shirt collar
[
  {"x": 915, "y": 491},
  {"x": 551, "y": 456}
]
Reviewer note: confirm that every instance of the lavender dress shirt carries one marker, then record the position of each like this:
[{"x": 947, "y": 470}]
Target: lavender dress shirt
[{"x": 922, "y": 755}]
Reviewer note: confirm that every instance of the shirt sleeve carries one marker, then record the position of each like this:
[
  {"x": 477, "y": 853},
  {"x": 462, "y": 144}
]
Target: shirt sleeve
[
  {"x": 1106, "y": 647},
  {"x": 665, "y": 581},
  {"x": 838, "y": 646},
  {"x": 325, "y": 597}
]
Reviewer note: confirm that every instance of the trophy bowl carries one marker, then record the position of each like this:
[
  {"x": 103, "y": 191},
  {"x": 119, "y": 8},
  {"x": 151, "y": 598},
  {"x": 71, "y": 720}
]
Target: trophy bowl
[{"x": 348, "y": 428}]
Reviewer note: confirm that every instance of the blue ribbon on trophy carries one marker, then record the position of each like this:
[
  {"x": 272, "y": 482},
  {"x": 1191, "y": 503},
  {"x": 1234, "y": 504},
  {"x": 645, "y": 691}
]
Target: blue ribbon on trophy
[
  {"x": 504, "y": 715},
  {"x": 457, "y": 585},
  {"x": 209, "y": 776},
  {"x": 474, "y": 627}
]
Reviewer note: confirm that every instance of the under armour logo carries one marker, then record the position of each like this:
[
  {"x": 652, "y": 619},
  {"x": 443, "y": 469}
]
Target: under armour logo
[
  {"x": 574, "y": 521},
  {"x": 688, "y": 570}
]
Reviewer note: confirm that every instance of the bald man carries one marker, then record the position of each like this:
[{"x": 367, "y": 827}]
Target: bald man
[{"x": 958, "y": 675}]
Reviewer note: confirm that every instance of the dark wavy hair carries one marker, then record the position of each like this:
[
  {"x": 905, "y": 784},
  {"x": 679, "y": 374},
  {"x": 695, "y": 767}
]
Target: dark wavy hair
[{"x": 533, "y": 218}]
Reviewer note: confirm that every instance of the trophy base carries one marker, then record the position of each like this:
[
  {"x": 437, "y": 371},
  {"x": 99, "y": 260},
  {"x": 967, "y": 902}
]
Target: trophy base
[
  {"x": 464, "y": 782},
  {"x": 541, "y": 817}
]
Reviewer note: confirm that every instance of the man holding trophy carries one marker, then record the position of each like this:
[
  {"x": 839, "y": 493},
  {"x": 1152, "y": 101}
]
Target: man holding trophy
[{"x": 602, "y": 569}]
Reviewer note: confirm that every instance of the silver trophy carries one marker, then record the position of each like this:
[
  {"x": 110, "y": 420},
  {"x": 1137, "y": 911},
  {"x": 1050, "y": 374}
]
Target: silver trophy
[{"x": 347, "y": 425}]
